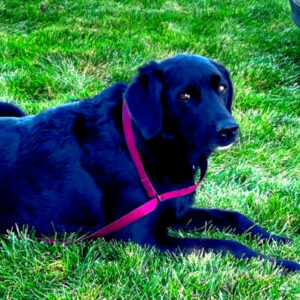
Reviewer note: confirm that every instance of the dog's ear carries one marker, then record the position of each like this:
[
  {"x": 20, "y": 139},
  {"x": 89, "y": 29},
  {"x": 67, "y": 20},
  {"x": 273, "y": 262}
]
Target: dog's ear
[
  {"x": 143, "y": 98},
  {"x": 226, "y": 74}
]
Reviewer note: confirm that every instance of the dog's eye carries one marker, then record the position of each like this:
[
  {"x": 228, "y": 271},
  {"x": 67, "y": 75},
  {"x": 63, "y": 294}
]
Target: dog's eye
[
  {"x": 222, "y": 88},
  {"x": 185, "y": 96}
]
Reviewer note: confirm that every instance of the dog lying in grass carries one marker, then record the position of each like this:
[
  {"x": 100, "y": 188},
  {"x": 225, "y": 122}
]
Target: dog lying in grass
[{"x": 69, "y": 170}]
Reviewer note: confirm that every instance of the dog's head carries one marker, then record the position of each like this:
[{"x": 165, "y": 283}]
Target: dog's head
[{"x": 187, "y": 96}]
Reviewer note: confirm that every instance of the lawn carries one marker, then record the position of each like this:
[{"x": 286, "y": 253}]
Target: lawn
[{"x": 54, "y": 51}]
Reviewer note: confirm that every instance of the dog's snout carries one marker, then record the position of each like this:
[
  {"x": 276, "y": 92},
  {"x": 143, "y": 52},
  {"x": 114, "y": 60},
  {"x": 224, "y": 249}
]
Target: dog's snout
[{"x": 227, "y": 129}]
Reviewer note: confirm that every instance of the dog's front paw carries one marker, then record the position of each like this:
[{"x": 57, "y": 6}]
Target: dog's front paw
[
  {"x": 280, "y": 239},
  {"x": 289, "y": 266},
  {"x": 264, "y": 239}
]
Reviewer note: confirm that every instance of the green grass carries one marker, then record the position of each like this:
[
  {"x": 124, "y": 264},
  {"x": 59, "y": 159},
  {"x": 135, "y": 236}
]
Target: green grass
[{"x": 53, "y": 51}]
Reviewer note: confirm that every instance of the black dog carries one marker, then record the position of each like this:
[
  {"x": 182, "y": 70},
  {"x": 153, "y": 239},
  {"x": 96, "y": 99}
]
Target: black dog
[{"x": 68, "y": 169}]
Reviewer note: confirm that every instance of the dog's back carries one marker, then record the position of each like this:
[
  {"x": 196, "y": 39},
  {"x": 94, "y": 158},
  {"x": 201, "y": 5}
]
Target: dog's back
[
  {"x": 10, "y": 110},
  {"x": 42, "y": 180}
]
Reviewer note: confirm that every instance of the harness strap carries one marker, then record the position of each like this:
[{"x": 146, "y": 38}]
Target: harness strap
[
  {"x": 155, "y": 198},
  {"x": 130, "y": 141},
  {"x": 152, "y": 204},
  {"x": 139, "y": 212}
]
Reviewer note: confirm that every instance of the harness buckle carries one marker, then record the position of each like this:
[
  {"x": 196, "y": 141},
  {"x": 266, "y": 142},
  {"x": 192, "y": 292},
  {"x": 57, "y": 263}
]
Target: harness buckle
[{"x": 158, "y": 197}]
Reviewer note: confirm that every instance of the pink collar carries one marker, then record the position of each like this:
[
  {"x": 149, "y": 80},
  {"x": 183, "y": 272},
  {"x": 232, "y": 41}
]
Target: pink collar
[{"x": 154, "y": 197}]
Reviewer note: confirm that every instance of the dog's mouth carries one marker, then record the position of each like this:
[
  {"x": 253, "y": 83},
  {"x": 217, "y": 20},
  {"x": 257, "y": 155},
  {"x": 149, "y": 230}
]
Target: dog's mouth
[
  {"x": 226, "y": 143},
  {"x": 221, "y": 148},
  {"x": 204, "y": 147},
  {"x": 226, "y": 135}
]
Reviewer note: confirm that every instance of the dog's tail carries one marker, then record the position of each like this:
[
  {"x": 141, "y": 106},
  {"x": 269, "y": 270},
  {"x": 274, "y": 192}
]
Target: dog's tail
[{"x": 10, "y": 110}]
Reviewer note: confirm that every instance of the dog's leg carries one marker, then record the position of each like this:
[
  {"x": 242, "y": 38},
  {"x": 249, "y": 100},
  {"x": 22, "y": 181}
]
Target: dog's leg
[
  {"x": 222, "y": 219},
  {"x": 198, "y": 246}
]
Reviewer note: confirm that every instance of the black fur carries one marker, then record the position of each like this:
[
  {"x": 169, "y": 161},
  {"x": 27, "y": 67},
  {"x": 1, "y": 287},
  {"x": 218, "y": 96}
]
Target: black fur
[
  {"x": 10, "y": 110},
  {"x": 68, "y": 169}
]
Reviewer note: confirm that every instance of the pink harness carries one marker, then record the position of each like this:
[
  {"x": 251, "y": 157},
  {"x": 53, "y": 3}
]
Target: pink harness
[{"x": 154, "y": 197}]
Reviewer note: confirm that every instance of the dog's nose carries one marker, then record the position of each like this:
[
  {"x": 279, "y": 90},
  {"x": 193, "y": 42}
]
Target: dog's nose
[{"x": 227, "y": 129}]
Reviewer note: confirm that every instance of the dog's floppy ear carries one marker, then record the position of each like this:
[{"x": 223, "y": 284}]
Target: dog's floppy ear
[
  {"x": 143, "y": 98},
  {"x": 226, "y": 74}
]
